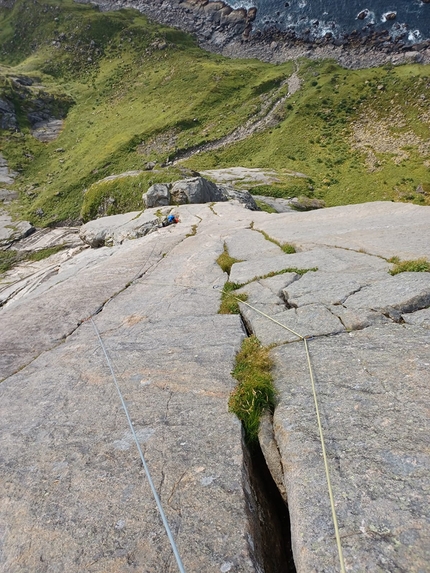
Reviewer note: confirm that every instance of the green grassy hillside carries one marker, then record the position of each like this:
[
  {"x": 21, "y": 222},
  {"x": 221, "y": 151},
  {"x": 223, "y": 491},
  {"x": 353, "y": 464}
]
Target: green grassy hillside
[{"x": 132, "y": 92}]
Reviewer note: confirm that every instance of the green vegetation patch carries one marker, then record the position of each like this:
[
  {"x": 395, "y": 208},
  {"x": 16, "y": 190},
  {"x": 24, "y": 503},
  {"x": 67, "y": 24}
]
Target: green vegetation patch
[
  {"x": 353, "y": 133},
  {"x": 133, "y": 92},
  {"x": 282, "y": 272},
  {"x": 225, "y": 261},
  {"x": 142, "y": 93},
  {"x": 230, "y": 299},
  {"x": 264, "y": 206},
  {"x": 286, "y": 247},
  {"x": 421, "y": 265},
  {"x": 123, "y": 193},
  {"x": 10, "y": 258},
  {"x": 255, "y": 392}
]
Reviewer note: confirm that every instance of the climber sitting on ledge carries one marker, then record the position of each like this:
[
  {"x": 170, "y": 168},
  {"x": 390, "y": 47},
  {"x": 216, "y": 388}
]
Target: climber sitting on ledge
[{"x": 170, "y": 220}]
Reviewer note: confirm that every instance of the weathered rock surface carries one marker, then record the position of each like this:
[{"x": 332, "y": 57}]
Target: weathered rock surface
[
  {"x": 279, "y": 205},
  {"x": 8, "y": 119},
  {"x": 380, "y": 228},
  {"x": 6, "y": 196},
  {"x": 368, "y": 383},
  {"x": 242, "y": 175},
  {"x": 116, "y": 229},
  {"x": 73, "y": 494},
  {"x": 373, "y": 393},
  {"x": 239, "y": 196},
  {"x": 420, "y": 318},
  {"x": 11, "y": 231},
  {"x": 195, "y": 190},
  {"x": 7, "y": 176},
  {"x": 405, "y": 292},
  {"x": 158, "y": 195},
  {"x": 47, "y": 238},
  {"x": 47, "y": 130}
]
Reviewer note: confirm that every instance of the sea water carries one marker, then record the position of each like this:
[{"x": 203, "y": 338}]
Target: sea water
[{"x": 411, "y": 21}]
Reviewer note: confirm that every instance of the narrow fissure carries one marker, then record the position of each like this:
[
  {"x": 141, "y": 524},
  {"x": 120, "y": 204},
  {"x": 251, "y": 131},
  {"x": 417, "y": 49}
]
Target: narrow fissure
[{"x": 269, "y": 518}]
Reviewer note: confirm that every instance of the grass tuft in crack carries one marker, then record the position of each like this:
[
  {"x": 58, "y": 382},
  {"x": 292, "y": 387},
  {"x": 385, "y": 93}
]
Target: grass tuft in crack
[
  {"x": 230, "y": 299},
  {"x": 286, "y": 247},
  {"x": 255, "y": 392},
  {"x": 414, "y": 266},
  {"x": 192, "y": 232},
  {"x": 11, "y": 258},
  {"x": 225, "y": 261}
]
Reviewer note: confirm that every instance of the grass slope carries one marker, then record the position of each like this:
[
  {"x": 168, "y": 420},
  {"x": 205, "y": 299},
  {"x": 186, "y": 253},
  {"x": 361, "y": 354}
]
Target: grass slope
[
  {"x": 353, "y": 132},
  {"x": 136, "y": 92}
]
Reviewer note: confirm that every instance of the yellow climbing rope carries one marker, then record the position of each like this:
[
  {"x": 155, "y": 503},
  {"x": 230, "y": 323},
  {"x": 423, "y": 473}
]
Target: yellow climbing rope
[{"x": 320, "y": 428}]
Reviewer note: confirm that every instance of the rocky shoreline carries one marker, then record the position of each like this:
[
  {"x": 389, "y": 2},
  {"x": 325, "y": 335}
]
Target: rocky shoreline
[{"x": 222, "y": 29}]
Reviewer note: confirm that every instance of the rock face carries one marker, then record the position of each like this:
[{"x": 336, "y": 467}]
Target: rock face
[
  {"x": 11, "y": 232},
  {"x": 195, "y": 190},
  {"x": 73, "y": 494},
  {"x": 116, "y": 229},
  {"x": 8, "y": 118},
  {"x": 158, "y": 195},
  {"x": 371, "y": 374},
  {"x": 79, "y": 497},
  {"x": 7, "y": 176}
]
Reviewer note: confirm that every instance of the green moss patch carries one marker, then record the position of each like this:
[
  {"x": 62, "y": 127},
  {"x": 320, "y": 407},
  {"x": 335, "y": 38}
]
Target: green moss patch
[
  {"x": 11, "y": 258},
  {"x": 255, "y": 392},
  {"x": 230, "y": 299},
  {"x": 286, "y": 247},
  {"x": 421, "y": 265},
  {"x": 225, "y": 261}
]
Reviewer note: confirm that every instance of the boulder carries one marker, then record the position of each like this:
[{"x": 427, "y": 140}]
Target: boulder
[
  {"x": 7, "y": 176},
  {"x": 363, "y": 14},
  {"x": 390, "y": 15},
  {"x": 158, "y": 195},
  {"x": 195, "y": 190},
  {"x": 304, "y": 203},
  {"x": 241, "y": 196},
  {"x": 13, "y": 231},
  {"x": 419, "y": 318},
  {"x": 47, "y": 130}
]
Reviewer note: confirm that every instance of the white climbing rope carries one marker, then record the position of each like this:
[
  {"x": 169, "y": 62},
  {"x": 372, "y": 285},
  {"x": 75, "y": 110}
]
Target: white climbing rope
[{"x": 145, "y": 466}]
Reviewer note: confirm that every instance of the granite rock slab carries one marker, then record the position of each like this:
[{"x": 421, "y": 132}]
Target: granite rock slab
[
  {"x": 309, "y": 320},
  {"x": 419, "y": 318},
  {"x": 11, "y": 231},
  {"x": 48, "y": 238},
  {"x": 380, "y": 228},
  {"x": 329, "y": 288},
  {"x": 321, "y": 258},
  {"x": 405, "y": 292},
  {"x": 75, "y": 497},
  {"x": 373, "y": 393},
  {"x": 248, "y": 244},
  {"x": 116, "y": 229}
]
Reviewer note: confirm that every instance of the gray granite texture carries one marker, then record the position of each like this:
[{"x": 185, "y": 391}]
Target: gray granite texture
[
  {"x": 373, "y": 394},
  {"x": 73, "y": 495}
]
